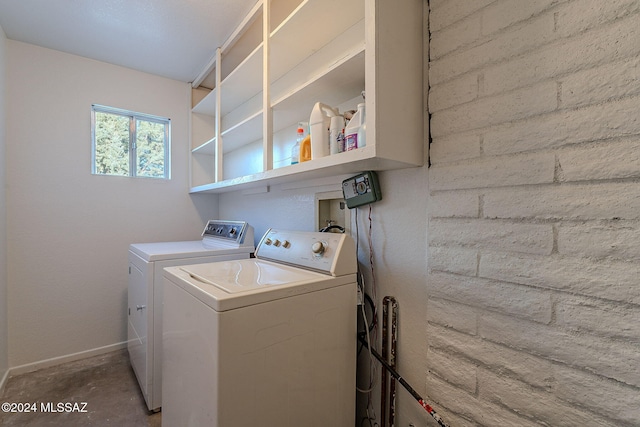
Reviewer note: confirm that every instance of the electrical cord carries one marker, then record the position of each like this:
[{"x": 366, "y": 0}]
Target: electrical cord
[
  {"x": 371, "y": 360},
  {"x": 370, "y": 328}
]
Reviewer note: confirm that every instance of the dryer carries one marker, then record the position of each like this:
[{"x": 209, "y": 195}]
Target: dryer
[
  {"x": 268, "y": 341},
  {"x": 221, "y": 240}
]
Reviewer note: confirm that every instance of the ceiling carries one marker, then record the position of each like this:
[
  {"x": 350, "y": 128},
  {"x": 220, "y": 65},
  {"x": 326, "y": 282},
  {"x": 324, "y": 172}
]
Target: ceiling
[{"x": 169, "y": 38}]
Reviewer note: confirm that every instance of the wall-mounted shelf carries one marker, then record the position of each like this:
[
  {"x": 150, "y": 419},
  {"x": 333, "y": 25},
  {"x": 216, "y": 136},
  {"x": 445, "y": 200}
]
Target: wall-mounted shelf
[{"x": 286, "y": 56}]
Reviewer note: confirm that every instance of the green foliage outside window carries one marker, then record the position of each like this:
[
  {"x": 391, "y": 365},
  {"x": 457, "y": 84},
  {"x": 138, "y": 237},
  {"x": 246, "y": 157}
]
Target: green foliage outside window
[
  {"x": 150, "y": 149},
  {"x": 111, "y": 144},
  {"x": 129, "y": 144}
]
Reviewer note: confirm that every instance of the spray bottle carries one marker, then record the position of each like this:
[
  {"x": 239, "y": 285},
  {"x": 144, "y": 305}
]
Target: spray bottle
[{"x": 295, "y": 150}]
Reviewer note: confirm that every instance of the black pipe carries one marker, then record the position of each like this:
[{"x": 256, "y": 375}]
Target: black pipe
[{"x": 405, "y": 384}]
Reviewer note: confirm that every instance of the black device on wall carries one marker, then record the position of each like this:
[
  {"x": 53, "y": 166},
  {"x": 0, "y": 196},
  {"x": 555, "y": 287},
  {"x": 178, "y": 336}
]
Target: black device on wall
[{"x": 361, "y": 189}]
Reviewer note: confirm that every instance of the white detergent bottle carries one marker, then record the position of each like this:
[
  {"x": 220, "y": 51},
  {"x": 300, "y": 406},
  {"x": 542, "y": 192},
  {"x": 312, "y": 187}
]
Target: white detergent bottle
[
  {"x": 354, "y": 133},
  {"x": 319, "y": 124}
]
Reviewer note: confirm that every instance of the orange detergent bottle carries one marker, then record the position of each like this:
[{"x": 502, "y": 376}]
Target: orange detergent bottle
[{"x": 305, "y": 149}]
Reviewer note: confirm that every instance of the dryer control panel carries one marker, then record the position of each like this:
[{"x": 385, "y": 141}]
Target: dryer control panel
[
  {"x": 228, "y": 231},
  {"x": 328, "y": 253}
]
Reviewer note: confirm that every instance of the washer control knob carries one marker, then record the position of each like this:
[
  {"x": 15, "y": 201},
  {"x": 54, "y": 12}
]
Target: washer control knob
[
  {"x": 267, "y": 241},
  {"x": 286, "y": 244},
  {"x": 318, "y": 248},
  {"x": 277, "y": 243}
]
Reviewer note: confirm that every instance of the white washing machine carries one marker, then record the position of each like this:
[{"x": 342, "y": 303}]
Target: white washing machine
[
  {"x": 269, "y": 341},
  {"x": 221, "y": 240}
]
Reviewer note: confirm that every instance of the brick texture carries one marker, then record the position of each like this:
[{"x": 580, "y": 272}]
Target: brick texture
[{"x": 534, "y": 212}]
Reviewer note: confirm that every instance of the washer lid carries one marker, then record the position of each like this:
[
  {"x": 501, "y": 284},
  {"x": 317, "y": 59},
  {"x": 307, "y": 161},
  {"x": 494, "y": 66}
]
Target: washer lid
[
  {"x": 248, "y": 275},
  {"x": 179, "y": 250},
  {"x": 228, "y": 285}
]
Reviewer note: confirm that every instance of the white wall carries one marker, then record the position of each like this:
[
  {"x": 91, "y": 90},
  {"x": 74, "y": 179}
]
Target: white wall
[
  {"x": 288, "y": 207},
  {"x": 534, "y": 213},
  {"x": 4, "y": 364},
  {"x": 69, "y": 231}
]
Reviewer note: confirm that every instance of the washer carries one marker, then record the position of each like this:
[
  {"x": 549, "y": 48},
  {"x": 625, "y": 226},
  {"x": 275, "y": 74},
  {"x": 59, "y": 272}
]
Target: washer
[
  {"x": 221, "y": 240},
  {"x": 268, "y": 341}
]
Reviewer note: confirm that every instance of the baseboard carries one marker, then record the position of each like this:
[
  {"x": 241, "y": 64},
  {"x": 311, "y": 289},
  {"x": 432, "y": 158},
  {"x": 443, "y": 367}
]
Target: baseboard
[{"x": 30, "y": 367}]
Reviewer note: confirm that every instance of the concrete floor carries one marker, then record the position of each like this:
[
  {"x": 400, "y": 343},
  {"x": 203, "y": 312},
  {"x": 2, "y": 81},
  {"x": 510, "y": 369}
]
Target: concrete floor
[{"x": 105, "y": 383}]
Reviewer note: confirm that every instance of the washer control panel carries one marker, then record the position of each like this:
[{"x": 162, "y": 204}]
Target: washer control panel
[{"x": 327, "y": 253}]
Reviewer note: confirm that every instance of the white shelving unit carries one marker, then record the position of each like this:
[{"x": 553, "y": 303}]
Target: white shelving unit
[{"x": 282, "y": 59}]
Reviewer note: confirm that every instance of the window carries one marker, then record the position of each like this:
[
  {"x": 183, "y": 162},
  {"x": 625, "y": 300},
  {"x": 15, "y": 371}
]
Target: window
[{"x": 126, "y": 143}]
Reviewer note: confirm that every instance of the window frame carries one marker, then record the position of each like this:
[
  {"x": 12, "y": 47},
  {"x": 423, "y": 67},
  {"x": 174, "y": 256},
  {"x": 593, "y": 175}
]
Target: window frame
[{"x": 133, "y": 117}]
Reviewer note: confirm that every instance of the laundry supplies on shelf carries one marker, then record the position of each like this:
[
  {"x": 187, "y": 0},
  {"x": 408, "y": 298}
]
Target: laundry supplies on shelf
[
  {"x": 354, "y": 133},
  {"x": 319, "y": 124}
]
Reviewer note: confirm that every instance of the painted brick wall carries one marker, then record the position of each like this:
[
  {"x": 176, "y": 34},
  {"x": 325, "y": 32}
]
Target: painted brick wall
[{"x": 534, "y": 212}]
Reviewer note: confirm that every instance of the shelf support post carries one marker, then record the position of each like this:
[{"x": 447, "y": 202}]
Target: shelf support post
[
  {"x": 267, "y": 116},
  {"x": 218, "y": 171}
]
